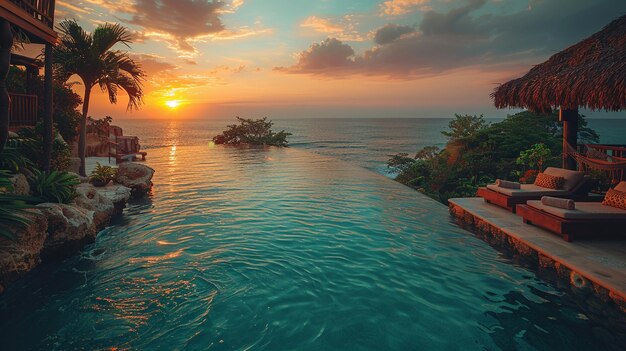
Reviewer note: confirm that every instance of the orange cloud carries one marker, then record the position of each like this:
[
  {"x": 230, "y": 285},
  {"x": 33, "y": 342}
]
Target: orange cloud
[{"x": 401, "y": 7}]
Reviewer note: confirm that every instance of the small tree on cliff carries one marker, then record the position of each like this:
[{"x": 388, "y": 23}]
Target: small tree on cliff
[{"x": 91, "y": 57}]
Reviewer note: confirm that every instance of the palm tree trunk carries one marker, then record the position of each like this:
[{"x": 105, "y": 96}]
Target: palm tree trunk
[{"x": 83, "y": 131}]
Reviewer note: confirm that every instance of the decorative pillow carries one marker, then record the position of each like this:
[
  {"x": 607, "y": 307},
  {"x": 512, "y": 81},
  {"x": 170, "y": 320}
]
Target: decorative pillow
[
  {"x": 548, "y": 181},
  {"x": 615, "y": 199}
]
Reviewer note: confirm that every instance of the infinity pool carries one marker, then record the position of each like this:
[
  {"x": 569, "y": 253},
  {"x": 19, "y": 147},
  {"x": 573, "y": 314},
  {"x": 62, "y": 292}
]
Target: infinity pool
[{"x": 281, "y": 249}]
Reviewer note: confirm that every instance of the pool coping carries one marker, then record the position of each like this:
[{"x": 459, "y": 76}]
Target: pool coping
[{"x": 565, "y": 264}]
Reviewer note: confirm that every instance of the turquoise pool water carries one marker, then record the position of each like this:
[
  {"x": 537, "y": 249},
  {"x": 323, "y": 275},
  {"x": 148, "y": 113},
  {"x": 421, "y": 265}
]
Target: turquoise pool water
[{"x": 283, "y": 249}]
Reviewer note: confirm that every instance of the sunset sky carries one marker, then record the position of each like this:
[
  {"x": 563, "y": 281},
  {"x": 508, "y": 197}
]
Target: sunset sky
[{"x": 335, "y": 58}]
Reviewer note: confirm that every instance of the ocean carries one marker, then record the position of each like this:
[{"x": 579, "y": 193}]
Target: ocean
[{"x": 366, "y": 142}]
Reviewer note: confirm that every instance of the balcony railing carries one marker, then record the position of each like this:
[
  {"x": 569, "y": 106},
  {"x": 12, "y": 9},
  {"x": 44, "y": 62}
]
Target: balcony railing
[
  {"x": 23, "y": 110},
  {"x": 40, "y": 10}
]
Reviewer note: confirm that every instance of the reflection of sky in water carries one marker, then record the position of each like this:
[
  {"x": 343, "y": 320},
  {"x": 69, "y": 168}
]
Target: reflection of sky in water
[{"x": 265, "y": 248}]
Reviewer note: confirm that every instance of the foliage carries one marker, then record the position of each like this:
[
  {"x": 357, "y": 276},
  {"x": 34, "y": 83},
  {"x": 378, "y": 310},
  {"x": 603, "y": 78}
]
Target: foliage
[
  {"x": 91, "y": 57},
  {"x": 99, "y": 126},
  {"x": 55, "y": 186},
  {"x": 13, "y": 160},
  {"x": 13, "y": 208},
  {"x": 478, "y": 154},
  {"x": 252, "y": 132},
  {"x": 102, "y": 174},
  {"x": 534, "y": 157},
  {"x": 61, "y": 152},
  {"x": 463, "y": 126}
]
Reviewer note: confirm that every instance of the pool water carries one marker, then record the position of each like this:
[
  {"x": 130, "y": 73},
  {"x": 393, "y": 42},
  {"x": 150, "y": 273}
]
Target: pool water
[{"x": 283, "y": 249}]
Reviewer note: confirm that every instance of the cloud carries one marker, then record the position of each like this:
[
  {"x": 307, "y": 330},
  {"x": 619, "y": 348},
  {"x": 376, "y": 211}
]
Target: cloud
[
  {"x": 467, "y": 36},
  {"x": 178, "y": 21},
  {"x": 401, "y": 7},
  {"x": 342, "y": 29},
  {"x": 390, "y": 33},
  {"x": 331, "y": 54}
]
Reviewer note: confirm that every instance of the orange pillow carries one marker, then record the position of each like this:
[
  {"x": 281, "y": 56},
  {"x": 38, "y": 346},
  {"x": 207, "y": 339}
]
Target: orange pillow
[
  {"x": 615, "y": 199},
  {"x": 549, "y": 181}
]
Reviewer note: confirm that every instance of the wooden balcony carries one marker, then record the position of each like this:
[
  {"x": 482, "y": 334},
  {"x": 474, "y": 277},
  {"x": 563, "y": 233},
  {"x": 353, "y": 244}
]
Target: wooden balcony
[
  {"x": 34, "y": 17},
  {"x": 23, "y": 110}
]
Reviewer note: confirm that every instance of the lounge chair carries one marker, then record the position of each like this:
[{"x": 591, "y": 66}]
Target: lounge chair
[
  {"x": 576, "y": 187},
  {"x": 590, "y": 219}
]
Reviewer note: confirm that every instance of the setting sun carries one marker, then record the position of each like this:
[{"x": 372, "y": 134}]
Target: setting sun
[{"x": 172, "y": 103}]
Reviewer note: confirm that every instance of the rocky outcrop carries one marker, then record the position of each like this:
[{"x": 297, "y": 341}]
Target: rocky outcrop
[
  {"x": 69, "y": 229},
  {"x": 136, "y": 176},
  {"x": 20, "y": 185},
  {"x": 118, "y": 194},
  {"x": 90, "y": 199},
  {"x": 19, "y": 256}
]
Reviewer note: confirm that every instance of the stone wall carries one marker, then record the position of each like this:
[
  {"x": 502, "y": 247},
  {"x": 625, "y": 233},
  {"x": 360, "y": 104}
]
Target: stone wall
[{"x": 597, "y": 301}]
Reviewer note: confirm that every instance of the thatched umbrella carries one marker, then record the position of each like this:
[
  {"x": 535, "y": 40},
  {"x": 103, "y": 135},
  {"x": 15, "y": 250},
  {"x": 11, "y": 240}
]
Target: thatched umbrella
[{"x": 590, "y": 74}]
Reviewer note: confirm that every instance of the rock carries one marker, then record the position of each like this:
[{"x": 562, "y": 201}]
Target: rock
[
  {"x": 118, "y": 194},
  {"x": 21, "y": 255},
  {"x": 20, "y": 185},
  {"x": 136, "y": 176},
  {"x": 89, "y": 198},
  {"x": 13, "y": 135},
  {"x": 69, "y": 229}
]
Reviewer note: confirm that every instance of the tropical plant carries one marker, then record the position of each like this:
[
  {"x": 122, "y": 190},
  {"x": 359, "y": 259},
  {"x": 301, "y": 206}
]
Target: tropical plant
[
  {"x": 60, "y": 152},
  {"x": 534, "y": 157},
  {"x": 12, "y": 159},
  {"x": 252, "y": 132},
  {"x": 13, "y": 208},
  {"x": 477, "y": 154},
  {"x": 102, "y": 175},
  {"x": 91, "y": 57},
  {"x": 54, "y": 186}
]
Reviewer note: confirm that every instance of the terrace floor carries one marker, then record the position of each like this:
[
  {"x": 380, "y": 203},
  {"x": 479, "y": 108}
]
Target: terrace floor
[{"x": 603, "y": 262}]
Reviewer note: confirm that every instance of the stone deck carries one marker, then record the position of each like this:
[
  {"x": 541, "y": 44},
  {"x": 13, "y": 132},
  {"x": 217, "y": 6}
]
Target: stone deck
[{"x": 600, "y": 261}]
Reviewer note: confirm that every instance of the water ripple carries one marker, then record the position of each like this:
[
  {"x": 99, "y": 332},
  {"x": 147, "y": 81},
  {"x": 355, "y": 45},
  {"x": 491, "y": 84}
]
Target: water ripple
[{"x": 263, "y": 248}]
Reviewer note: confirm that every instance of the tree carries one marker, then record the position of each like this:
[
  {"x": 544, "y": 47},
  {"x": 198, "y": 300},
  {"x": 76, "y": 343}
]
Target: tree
[
  {"x": 252, "y": 132},
  {"x": 92, "y": 58},
  {"x": 463, "y": 126}
]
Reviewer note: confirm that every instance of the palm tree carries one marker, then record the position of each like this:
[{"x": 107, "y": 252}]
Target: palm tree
[{"x": 91, "y": 57}]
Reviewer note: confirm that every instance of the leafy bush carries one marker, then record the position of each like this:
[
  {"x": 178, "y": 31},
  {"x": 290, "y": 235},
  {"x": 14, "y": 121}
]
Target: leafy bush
[
  {"x": 478, "y": 153},
  {"x": 534, "y": 157},
  {"x": 102, "y": 175},
  {"x": 12, "y": 158},
  {"x": 13, "y": 208},
  {"x": 252, "y": 132},
  {"x": 55, "y": 186},
  {"x": 61, "y": 151}
]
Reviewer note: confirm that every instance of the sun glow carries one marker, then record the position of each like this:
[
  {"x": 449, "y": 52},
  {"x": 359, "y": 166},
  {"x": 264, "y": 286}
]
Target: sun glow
[{"x": 172, "y": 103}]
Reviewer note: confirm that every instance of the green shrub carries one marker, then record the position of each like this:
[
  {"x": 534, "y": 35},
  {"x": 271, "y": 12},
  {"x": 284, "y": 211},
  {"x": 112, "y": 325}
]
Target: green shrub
[
  {"x": 13, "y": 208},
  {"x": 12, "y": 159},
  {"x": 252, "y": 132},
  {"x": 102, "y": 175},
  {"x": 61, "y": 152},
  {"x": 478, "y": 153},
  {"x": 55, "y": 186}
]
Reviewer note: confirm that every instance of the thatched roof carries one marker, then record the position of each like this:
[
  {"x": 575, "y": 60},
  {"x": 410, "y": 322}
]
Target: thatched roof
[{"x": 590, "y": 74}]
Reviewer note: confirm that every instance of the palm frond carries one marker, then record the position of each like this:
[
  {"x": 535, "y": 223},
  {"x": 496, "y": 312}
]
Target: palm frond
[{"x": 109, "y": 34}]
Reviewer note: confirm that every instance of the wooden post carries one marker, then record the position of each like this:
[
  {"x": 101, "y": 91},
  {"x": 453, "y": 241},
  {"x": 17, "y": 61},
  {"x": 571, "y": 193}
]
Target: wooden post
[
  {"x": 569, "y": 118},
  {"x": 6, "y": 42},
  {"x": 47, "y": 110}
]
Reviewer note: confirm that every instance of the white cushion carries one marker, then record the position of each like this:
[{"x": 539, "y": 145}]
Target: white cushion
[
  {"x": 528, "y": 190},
  {"x": 584, "y": 210},
  {"x": 572, "y": 178}
]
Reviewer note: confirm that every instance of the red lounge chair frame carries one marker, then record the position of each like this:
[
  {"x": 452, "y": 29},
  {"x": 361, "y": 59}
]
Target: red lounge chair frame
[
  {"x": 569, "y": 229},
  {"x": 510, "y": 202}
]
